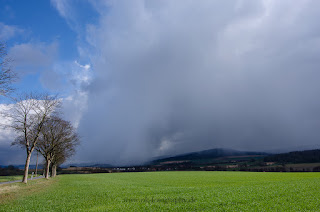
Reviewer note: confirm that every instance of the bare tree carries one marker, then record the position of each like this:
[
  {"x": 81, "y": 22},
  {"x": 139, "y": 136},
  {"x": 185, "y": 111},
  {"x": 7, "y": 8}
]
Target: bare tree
[
  {"x": 28, "y": 115},
  {"x": 57, "y": 142},
  {"x": 7, "y": 76},
  {"x": 60, "y": 156}
]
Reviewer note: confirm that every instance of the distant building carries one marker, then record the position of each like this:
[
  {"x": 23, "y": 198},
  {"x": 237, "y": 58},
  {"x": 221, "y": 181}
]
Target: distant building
[
  {"x": 232, "y": 166},
  {"x": 269, "y": 163}
]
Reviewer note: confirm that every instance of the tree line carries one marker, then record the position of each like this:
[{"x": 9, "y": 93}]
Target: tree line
[
  {"x": 37, "y": 121},
  {"x": 307, "y": 156}
]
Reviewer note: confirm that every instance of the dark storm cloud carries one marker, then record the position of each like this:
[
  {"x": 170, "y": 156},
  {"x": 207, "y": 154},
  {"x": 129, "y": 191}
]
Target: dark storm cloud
[
  {"x": 11, "y": 155},
  {"x": 179, "y": 76}
]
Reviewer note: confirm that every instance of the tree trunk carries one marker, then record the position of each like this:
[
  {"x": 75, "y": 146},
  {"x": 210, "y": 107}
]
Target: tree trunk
[
  {"x": 54, "y": 170},
  {"x": 47, "y": 169},
  {"x": 26, "y": 169}
]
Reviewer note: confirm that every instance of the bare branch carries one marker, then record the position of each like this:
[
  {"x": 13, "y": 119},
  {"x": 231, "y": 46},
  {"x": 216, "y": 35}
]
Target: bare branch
[{"x": 57, "y": 141}]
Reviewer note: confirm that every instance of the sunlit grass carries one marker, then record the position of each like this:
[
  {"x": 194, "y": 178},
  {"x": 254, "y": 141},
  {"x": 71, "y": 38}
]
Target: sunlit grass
[
  {"x": 16, "y": 191},
  {"x": 175, "y": 191}
]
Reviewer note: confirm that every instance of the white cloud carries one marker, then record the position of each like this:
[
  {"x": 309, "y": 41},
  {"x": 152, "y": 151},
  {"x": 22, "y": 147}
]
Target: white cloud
[
  {"x": 72, "y": 13},
  {"x": 6, "y": 134},
  {"x": 63, "y": 7},
  {"x": 82, "y": 75},
  {"x": 75, "y": 104},
  {"x": 7, "y": 32},
  {"x": 9, "y": 154},
  {"x": 33, "y": 57}
]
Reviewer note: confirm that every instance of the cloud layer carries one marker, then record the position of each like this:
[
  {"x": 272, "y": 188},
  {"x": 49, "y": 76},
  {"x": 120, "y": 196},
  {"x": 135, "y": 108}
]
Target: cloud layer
[
  {"x": 168, "y": 77},
  {"x": 175, "y": 76}
]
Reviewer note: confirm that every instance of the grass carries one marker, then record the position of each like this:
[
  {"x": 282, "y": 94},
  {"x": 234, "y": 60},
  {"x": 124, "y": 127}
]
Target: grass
[
  {"x": 172, "y": 191},
  {"x": 13, "y": 178},
  {"x": 15, "y": 191},
  {"x": 10, "y": 178}
]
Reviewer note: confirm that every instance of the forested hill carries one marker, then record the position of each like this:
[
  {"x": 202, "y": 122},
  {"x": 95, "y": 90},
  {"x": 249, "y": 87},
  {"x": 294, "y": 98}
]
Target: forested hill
[
  {"x": 208, "y": 154},
  {"x": 308, "y": 156}
]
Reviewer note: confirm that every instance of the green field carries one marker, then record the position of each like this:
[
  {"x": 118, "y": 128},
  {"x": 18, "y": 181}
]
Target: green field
[{"x": 171, "y": 191}]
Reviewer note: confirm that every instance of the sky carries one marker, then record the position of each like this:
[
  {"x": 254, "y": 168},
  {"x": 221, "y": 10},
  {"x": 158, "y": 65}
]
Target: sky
[{"x": 141, "y": 79}]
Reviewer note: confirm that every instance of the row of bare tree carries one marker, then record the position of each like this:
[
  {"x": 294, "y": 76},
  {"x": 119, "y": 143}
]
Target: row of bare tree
[
  {"x": 37, "y": 122},
  {"x": 57, "y": 142}
]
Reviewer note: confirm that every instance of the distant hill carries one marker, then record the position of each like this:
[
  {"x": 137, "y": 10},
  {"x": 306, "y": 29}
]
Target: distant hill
[
  {"x": 21, "y": 166},
  {"x": 307, "y": 156},
  {"x": 295, "y": 148},
  {"x": 40, "y": 166},
  {"x": 208, "y": 154},
  {"x": 93, "y": 165}
]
